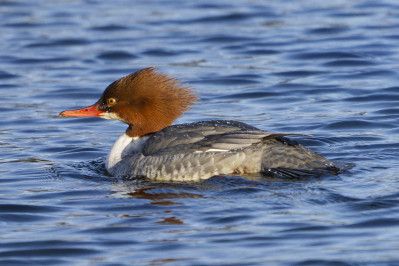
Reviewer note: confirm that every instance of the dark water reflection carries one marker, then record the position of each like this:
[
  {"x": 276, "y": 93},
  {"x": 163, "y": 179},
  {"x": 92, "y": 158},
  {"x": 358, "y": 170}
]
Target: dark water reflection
[{"x": 312, "y": 67}]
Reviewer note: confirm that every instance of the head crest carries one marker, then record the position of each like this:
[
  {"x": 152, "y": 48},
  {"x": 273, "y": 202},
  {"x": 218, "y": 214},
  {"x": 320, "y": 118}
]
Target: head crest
[{"x": 149, "y": 100}]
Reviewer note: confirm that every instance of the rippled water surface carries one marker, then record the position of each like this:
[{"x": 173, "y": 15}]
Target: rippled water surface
[{"x": 312, "y": 67}]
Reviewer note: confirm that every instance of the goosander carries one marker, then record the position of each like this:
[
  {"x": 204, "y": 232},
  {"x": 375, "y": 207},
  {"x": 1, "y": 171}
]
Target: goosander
[{"x": 150, "y": 101}]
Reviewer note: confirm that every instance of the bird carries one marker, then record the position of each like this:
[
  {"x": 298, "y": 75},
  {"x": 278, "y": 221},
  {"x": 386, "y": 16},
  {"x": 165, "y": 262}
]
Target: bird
[{"x": 152, "y": 147}]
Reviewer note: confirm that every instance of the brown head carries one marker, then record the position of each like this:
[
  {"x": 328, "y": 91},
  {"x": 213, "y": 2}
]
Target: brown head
[{"x": 146, "y": 100}]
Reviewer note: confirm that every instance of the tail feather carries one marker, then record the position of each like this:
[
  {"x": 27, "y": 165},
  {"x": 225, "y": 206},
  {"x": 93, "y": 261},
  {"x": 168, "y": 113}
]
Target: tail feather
[{"x": 286, "y": 158}]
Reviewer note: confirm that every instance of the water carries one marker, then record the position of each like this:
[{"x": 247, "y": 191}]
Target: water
[{"x": 312, "y": 67}]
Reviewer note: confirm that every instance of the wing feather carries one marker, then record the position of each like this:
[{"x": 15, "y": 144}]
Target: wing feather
[{"x": 207, "y": 136}]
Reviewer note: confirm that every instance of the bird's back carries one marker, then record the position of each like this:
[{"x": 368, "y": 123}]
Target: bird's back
[{"x": 196, "y": 151}]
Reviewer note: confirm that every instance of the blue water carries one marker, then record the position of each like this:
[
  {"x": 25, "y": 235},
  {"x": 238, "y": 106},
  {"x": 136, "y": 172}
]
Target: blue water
[{"x": 313, "y": 67}]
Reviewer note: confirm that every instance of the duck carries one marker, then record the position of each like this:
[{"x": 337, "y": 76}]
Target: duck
[{"x": 152, "y": 147}]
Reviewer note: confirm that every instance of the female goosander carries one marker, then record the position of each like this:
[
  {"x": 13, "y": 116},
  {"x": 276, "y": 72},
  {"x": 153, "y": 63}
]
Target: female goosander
[{"x": 149, "y": 101}]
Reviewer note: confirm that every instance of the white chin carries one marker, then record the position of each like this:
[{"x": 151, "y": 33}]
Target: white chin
[{"x": 107, "y": 115}]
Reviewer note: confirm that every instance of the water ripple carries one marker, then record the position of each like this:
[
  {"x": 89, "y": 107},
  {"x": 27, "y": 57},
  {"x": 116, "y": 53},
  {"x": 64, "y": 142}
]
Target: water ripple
[{"x": 328, "y": 69}]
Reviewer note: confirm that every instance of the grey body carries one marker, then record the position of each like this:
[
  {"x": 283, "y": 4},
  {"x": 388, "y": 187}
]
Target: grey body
[{"x": 196, "y": 151}]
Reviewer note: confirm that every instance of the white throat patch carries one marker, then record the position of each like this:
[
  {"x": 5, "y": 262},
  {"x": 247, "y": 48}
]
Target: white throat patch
[{"x": 108, "y": 115}]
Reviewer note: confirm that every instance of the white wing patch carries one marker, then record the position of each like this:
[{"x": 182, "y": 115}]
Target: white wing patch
[{"x": 211, "y": 150}]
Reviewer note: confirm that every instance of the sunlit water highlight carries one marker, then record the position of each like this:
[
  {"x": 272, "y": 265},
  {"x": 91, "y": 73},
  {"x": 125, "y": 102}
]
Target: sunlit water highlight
[{"x": 312, "y": 67}]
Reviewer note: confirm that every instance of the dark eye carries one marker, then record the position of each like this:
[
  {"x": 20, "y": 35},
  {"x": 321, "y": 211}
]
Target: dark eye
[{"x": 111, "y": 101}]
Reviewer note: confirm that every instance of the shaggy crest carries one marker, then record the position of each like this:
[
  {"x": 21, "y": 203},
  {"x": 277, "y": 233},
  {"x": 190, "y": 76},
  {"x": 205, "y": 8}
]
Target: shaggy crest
[{"x": 147, "y": 101}]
